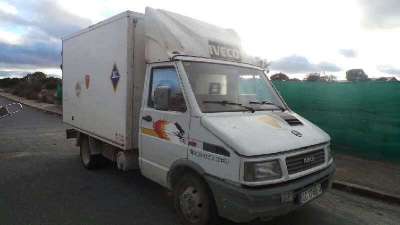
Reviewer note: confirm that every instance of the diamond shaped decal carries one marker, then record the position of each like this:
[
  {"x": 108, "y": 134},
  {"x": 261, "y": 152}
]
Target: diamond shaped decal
[{"x": 115, "y": 77}]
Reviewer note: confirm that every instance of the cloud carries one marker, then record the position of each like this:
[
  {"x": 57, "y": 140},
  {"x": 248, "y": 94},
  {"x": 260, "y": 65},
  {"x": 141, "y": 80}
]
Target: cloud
[
  {"x": 383, "y": 14},
  {"x": 55, "y": 21},
  {"x": 39, "y": 25},
  {"x": 327, "y": 66},
  {"x": 46, "y": 54},
  {"x": 12, "y": 74},
  {"x": 349, "y": 53},
  {"x": 13, "y": 19},
  {"x": 389, "y": 70},
  {"x": 45, "y": 15},
  {"x": 292, "y": 64},
  {"x": 300, "y": 64}
]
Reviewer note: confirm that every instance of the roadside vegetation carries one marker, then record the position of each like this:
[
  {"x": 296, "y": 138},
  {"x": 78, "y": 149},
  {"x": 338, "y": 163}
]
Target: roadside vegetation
[
  {"x": 35, "y": 86},
  {"x": 44, "y": 88},
  {"x": 353, "y": 75}
]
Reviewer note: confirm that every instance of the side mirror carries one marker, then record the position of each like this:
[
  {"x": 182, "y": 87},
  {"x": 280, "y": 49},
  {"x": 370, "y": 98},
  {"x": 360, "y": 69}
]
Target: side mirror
[{"x": 162, "y": 95}]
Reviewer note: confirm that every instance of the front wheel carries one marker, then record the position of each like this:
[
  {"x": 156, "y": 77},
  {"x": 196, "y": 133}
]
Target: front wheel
[{"x": 194, "y": 202}]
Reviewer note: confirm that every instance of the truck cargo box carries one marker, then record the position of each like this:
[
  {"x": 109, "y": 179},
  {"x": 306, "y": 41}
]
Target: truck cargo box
[
  {"x": 98, "y": 79},
  {"x": 104, "y": 67}
]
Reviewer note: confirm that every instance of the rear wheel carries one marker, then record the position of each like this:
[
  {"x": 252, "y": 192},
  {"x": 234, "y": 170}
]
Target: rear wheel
[
  {"x": 89, "y": 160},
  {"x": 193, "y": 201}
]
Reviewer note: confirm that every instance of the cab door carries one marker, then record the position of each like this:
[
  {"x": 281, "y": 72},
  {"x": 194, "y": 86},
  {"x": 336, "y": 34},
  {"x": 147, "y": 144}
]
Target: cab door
[{"x": 164, "y": 122}]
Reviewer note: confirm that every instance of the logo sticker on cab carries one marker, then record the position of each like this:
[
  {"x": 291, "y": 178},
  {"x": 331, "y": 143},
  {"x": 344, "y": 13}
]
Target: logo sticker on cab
[{"x": 297, "y": 133}]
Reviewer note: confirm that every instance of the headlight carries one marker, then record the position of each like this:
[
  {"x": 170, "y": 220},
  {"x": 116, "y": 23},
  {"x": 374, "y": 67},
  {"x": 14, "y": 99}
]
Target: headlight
[
  {"x": 329, "y": 152},
  {"x": 258, "y": 171}
]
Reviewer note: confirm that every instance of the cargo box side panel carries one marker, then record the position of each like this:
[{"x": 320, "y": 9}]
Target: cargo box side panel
[{"x": 95, "y": 81}]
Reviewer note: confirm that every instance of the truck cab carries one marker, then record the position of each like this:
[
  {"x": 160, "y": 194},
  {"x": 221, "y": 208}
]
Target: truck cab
[
  {"x": 180, "y": 100},
  {"x": 224, "y": 123}
]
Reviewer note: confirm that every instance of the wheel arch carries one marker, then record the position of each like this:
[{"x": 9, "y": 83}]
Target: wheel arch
[
  {"x": 181, "y": 166},
  {"x": 79, "y": 137}
]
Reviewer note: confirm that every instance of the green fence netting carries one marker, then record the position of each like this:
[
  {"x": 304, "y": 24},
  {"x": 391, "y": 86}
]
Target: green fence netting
[
  {"x": 59, "y": 94},
  {"x": 362, "y": 118}
]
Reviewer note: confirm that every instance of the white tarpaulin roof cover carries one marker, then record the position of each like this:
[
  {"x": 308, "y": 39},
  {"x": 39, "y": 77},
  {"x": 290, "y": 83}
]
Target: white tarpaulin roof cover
[{"x": 169, "y": 34}]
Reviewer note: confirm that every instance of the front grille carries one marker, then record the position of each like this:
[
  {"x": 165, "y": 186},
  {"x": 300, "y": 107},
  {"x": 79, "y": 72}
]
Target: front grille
[
  {"x": 301, "y": 162},
  {"x": 290, "y": 119},
  {"x": 293, "y": 122}
]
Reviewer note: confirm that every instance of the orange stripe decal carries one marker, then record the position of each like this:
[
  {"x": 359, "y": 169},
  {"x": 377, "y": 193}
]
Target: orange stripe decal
[{"x": 149, "y": 132}]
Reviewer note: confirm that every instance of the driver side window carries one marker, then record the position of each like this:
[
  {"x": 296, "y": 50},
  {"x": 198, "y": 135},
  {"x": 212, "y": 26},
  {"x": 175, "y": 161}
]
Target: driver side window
[{"x": 167, "y": 77}]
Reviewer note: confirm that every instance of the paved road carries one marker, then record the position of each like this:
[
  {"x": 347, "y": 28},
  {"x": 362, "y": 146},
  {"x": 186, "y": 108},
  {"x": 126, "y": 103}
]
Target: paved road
[{"x": 43, "y": 183}]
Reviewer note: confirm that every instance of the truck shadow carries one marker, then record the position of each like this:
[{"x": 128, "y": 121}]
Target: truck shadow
[
  {"x": 162, "y": 197},
  {"x": 54, "y": 187}
]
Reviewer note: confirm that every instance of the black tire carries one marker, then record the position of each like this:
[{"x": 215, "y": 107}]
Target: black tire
[
  {"x": 90, "y": 161},
  {"x": 193, "y": 201}
]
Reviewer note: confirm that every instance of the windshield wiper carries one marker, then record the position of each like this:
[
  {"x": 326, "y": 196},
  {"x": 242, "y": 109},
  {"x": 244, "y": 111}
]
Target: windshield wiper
[
  {"x": 231, "y": 103},
  {"x": 267, "y": 103}
]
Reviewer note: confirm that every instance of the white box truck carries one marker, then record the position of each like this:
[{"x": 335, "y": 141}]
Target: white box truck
[{"x": 178, "y": 99}]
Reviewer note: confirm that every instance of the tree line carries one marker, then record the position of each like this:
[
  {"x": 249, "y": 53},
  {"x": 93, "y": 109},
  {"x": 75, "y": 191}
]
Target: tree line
[
  {"x": 352, "y": 75},
  {"x": 37, "y": 86}
]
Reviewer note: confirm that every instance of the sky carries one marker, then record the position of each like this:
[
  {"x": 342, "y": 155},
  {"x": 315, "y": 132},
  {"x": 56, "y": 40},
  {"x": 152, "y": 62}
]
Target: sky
[{"x": 296, "y": 37}]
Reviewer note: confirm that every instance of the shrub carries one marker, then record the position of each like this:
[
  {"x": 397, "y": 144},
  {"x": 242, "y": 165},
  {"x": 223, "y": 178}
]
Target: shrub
[
  {"x": 31, "y": 85},
  {"x": 328, "y": 78},
  {"x": 9, "y": 82},
  {"x": 280, "y": 76},
  {"x": 31, "y": 95},
  {"x": 51, "y": 83},
  {"x": 313, "y": 77},
  {"x": 36, "y": 76},
  {"x": 356, "y": 75}
]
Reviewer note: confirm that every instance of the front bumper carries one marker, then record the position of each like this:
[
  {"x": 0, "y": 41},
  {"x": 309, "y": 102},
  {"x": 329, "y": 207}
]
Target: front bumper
[{"x": 244, "y": 204}]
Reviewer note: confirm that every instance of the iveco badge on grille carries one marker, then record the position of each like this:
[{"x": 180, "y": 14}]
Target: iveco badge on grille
[{"x": 308, "y": 159}]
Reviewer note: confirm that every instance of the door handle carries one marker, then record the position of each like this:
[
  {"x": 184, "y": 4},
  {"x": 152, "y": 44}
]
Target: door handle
[{"x": 147, "y": 118}]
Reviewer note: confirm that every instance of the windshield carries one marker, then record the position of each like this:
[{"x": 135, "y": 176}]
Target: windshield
[{"x": 231, "y": 86}]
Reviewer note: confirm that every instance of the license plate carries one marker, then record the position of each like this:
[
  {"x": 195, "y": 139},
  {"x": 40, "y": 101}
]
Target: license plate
[{"x": 310, "y": 193}]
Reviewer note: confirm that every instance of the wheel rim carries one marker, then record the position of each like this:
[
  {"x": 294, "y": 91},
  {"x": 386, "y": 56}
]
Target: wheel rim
[
  {"x": 85, "y": 154},
  {"x": 191, "y": 204}
]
